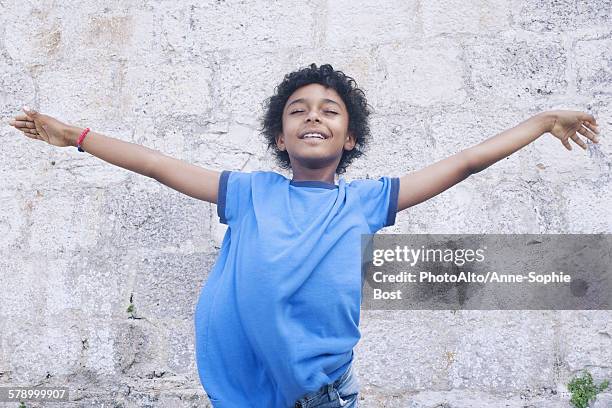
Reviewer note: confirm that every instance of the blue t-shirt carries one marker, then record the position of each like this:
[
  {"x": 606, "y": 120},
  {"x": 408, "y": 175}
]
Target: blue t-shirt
[{"x": 279, "y": 314}]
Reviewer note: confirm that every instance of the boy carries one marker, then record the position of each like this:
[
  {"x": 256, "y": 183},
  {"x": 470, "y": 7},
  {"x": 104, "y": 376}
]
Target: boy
[{"x": 278, "y": 317}]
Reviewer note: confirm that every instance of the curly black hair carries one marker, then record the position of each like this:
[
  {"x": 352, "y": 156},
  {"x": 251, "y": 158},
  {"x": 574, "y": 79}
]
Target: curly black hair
[{"x": 353, "y": 97}]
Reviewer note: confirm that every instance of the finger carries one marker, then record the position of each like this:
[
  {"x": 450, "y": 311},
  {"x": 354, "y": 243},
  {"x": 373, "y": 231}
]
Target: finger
[
  {"x": 588, "y": 134},
  {"x": 588, "y": 117},
  {"x": 22, "y": 124},
  {"x": 29, "y": 132},
  {"x": 29, "y": 112},
  {"x": 32, "y": 136},
  {"x": 566, "y": 144},
  {"x": 578, "y": 141},
  {"x": 18, "y": 125},
  {"x": 593, "y": 128},
  {"x": 35, "y": 137},
  {"x": 21, "y": 116}
]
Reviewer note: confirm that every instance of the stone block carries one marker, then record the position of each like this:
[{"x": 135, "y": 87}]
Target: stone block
[
  {"x": 98, "y": 282},
  {"x": 504, "y": 351},
  {"x": 147, "y": 214},
  {"x": 593, "y": 60},
  {"x": 397, "y": 359},
  {"x": 363, "y": 22},
  {"x": 426, "y": 75},
  {"x": 167, "y": 285},
  {"x": 560, "y": 16},
  {"x": 513, "y": 70},
  {"x": 454, "y": 17},
  {"x": 181, "y": 349},
  {"x": 41, "y": 351}
]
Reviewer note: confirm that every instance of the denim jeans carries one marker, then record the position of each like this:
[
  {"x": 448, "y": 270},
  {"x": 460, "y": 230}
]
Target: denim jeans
[{"x": 343, "y": 392}]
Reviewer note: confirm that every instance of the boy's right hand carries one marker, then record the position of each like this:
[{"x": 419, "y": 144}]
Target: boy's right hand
[{"x": 37, "y": 126}]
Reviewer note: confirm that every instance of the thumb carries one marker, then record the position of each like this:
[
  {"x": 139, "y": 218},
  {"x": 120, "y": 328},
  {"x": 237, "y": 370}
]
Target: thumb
[{"x": 29, "y": 112}]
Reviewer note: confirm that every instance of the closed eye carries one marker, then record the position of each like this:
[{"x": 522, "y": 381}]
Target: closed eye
[{"x": 336, "y": 113}]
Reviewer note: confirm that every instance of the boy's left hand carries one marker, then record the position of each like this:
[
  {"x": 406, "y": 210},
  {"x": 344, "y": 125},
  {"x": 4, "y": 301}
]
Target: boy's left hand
[{"x": 567, "y": 123}]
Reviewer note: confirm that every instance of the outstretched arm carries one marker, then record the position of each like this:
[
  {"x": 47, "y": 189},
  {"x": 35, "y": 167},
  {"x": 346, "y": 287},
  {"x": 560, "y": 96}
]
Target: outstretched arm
[
  {"x": 426, "y": 183},
  {"x": 186, "y": 178}
]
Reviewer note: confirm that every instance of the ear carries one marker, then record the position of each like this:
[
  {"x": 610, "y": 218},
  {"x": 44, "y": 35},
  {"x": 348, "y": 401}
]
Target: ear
[
  {"x": 280, "y": 142},
  {"x": 349, "y": 141}
]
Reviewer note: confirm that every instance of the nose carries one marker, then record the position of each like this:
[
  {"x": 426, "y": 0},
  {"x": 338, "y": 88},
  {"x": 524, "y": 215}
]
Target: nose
[{"x": 313, "y": 115}]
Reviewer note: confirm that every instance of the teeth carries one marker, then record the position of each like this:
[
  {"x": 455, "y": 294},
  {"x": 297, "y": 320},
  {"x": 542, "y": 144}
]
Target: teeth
[{"x": 317, "y": 135}]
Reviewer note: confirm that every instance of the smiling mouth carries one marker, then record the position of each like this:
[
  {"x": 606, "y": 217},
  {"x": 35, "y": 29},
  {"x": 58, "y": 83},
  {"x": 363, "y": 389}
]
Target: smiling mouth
[
  {"x": 313, "y": 140},
  {"x": 315, "y": 137}
]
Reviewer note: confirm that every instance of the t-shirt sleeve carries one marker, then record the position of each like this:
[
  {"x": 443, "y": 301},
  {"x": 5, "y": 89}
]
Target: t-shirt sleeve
[
  {"x": 378, "y": 200},
  {"x": 234, "y": 196}
]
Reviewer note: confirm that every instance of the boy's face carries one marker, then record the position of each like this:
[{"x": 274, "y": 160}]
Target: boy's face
[{"x": 314, "y": 108}]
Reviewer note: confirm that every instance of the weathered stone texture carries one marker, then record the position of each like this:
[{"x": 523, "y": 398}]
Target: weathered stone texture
[{"x": 81, "y": 241}]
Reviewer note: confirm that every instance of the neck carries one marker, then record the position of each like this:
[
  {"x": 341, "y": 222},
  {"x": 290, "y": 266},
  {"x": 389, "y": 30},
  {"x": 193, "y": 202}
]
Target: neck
[{"x": 325, "y": 175}]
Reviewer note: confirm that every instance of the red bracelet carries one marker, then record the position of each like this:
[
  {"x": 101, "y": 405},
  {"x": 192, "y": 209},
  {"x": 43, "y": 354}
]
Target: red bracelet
[{"x": 81, "y": 139}]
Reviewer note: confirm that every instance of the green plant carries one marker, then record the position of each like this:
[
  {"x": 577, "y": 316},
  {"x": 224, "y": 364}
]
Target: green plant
[
  {"x": 583, "y": 390},
  {"x": 22, "y": 405},
  {"x": 132, "y": 308}
]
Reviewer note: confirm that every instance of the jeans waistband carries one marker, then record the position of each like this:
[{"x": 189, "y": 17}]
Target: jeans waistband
[{"x": 326, "y": 389}]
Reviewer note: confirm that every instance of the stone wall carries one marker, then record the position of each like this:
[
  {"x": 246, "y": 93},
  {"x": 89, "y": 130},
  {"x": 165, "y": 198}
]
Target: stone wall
[{"x": 79, "y": 238}]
